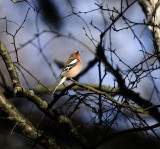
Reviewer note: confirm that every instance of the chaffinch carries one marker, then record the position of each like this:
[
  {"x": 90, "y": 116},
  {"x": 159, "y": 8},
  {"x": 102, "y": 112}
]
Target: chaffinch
[{"x": 71, "y": 69}]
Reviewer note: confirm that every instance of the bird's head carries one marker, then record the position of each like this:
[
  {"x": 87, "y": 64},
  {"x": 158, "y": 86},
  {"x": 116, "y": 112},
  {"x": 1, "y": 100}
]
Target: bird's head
[{"x": 76, "y": 54}]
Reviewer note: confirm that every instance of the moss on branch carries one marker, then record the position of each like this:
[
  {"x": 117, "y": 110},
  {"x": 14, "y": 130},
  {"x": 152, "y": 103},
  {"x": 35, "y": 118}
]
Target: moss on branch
[{"x": 41, "y": 90}]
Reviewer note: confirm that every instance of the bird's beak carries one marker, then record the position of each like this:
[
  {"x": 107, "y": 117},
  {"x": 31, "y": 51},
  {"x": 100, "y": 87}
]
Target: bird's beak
[{"x": 80, "y": 52}]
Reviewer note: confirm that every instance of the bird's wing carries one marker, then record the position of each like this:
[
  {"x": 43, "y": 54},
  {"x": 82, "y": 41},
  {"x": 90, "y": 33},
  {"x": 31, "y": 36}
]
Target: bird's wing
[
  {"x": 68, "y": 67},
  {"x": 63, "y": 77}
]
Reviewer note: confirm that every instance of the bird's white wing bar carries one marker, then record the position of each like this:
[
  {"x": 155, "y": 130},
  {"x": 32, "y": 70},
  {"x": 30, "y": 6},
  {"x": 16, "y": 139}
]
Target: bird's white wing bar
[
  {"x": 73, "y": 62},
  {"x": 70, "y": 65}
]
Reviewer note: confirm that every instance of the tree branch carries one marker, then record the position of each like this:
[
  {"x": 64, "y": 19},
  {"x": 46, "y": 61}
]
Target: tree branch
[
  {"x": 152, "y": 10},
  {"x": 134, "y": 109},
  {"x": 42, "y": 90},
  {"x": 26, "y": 126}
]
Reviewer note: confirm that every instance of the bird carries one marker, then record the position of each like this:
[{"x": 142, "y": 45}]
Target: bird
[{"x": 71, "y": 69}]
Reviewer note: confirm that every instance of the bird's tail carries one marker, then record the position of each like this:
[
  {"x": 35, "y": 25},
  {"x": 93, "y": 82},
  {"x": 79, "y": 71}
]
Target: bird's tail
[
  {"x": 55, "y": 90},
  {"x": 60, "y": 81}
]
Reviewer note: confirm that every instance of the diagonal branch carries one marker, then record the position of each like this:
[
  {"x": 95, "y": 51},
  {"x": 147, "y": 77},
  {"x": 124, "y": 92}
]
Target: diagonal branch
[
  {"x": 134, "y": 109},
  {"x": 10, "y": 66},
  {"x": 26, "y": 126}
]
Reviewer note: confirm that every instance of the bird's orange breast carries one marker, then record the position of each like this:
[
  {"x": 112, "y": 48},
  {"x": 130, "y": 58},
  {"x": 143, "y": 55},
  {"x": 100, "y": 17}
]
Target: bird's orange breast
[{"x": 75, "y": 70}]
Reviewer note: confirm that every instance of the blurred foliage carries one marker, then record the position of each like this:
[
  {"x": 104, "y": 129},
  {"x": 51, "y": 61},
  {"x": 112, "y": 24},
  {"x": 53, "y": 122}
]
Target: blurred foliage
[{"x": 50, "y": 13}]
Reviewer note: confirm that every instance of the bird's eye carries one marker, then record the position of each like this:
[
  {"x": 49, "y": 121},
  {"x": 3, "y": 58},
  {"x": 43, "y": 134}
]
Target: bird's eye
[{"x": 77, "y": 52}]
